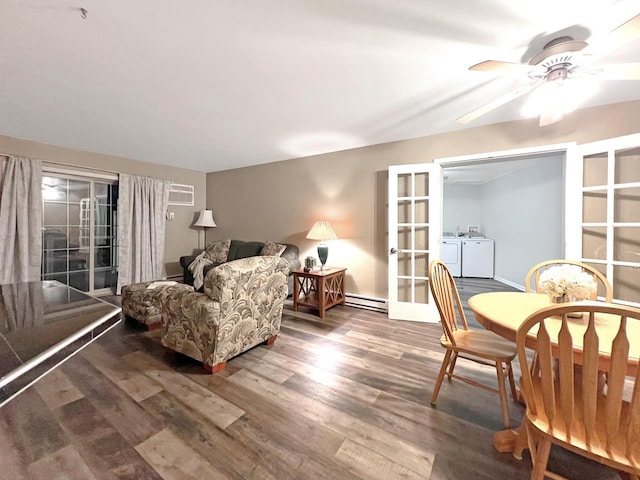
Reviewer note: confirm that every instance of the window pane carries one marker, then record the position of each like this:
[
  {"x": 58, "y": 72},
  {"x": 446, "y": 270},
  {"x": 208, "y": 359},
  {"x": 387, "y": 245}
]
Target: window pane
[
  {"x": 422, "y": 291},
  {"x": 404, "y": 211},
  {"x": 595, "y": 170},
  {"x": 422, "y": 238},
  {"x": 54, "y": 189},
  {"x": 80, "y": 280},
  {"x": 422, "y": 185},
  {"x": 54, "y": 239},
  {"x": 54, "y": 261},
  {"x": 626, "y": 283},
  {"x": 74, "y": 214},
  {"x": 101, "y": 190},
  {"x": 627, "y": 167},
  {"x": 594, "y": 243},
  {"x": 421, "y": 267},
  {"x": 105, "y": 278},
  {"x": 404, "y": 290},
  {"x": 404, "y": 264},
  {"x": 55, "y": 214},
  {"x": 78, "y": 260},
  {"x": 594, "y": 207},
  {"x": 78, "y": 190},
  {"x": 404, "y": 238},
  {"x": 626, "y": 244},
  {"x": 422, "y": 211},
  {"x": 102, "y": 257},
  {"x": 404, "y": 185},
  {"x": 626, "y": 203}
]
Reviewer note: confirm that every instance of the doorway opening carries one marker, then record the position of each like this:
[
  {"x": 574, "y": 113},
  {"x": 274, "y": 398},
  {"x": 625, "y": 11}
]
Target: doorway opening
[{"x": 514, "y": 199}]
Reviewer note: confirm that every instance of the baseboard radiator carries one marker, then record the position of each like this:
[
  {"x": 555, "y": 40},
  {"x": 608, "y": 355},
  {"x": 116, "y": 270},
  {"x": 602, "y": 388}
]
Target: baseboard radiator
[{"x": 368, "y": 303}]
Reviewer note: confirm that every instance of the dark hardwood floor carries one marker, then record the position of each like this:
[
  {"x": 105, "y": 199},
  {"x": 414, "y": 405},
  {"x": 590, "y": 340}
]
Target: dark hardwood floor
[{"x": 346, "y": 397}]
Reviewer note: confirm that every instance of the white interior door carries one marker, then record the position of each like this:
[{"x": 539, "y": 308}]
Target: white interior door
[
  {"x": 604, "y": 212},
  {"x": 415, "y": 226}
]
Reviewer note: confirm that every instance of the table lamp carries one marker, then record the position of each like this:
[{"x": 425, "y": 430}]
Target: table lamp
[
  {"x": 205, "y": 220},
  {"x": 322, "y": 231}
]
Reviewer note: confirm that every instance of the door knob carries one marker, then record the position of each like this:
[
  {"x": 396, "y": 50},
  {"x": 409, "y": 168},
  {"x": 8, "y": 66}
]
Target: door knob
[{"x": 393, "y": 250}]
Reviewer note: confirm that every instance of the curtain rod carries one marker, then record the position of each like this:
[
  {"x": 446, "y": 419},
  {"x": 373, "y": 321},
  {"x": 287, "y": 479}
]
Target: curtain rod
[{"x": 52, "y": 163}]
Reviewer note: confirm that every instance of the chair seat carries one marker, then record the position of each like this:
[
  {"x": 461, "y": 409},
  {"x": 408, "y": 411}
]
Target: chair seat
[{"x": 481, "y": 343}]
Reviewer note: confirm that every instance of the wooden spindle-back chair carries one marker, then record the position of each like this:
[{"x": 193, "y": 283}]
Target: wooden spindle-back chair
[
  {"x": 567, "y": 403},
  {"x": 480, "y": 346}
]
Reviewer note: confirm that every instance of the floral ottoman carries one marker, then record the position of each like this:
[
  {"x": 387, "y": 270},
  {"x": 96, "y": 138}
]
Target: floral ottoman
[{"x": 140, "y": 301}]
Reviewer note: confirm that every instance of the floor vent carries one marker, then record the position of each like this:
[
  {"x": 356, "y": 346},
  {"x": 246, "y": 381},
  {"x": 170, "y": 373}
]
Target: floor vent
[{"x": 368, "y": 303}]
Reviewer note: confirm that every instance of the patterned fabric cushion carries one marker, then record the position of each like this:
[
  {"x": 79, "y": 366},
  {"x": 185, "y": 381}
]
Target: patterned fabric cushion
[
  {"x": 218, "y": 251},
  {"x": 272, "y": 249},
  {"x": 142, "y": 303}
]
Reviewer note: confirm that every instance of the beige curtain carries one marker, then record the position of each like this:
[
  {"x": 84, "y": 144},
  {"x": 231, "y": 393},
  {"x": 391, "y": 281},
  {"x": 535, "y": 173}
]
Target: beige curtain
[
  {"x": 142, "y": 206},
  {"x": 21, "y": 221}
]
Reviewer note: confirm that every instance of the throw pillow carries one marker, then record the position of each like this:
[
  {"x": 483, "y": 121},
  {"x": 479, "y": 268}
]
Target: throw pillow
[
  {"x": 218, "y": 251},
  {"x": 272, "y": 249}
]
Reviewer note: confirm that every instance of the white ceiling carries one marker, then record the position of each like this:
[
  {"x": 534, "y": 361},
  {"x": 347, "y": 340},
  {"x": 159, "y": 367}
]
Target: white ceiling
[{"x": 216, "y": 84}]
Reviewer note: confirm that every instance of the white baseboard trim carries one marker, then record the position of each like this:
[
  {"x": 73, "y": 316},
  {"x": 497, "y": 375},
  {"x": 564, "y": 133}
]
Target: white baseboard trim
[
  {"x": 368, "y": 303},
  {"x": 510, "y": 283}
]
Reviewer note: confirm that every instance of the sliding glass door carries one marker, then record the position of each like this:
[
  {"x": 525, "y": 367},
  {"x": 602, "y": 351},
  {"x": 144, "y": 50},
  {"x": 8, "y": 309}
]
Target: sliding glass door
[{"x": 79, "y": 244}]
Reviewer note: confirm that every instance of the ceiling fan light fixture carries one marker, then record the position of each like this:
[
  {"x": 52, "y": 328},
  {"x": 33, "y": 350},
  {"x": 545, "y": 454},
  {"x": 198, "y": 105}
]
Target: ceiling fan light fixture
[{"x": 559, "y": 97}]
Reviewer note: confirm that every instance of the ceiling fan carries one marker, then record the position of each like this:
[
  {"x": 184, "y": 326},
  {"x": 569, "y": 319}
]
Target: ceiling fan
[{"x": 556, "y": 71}]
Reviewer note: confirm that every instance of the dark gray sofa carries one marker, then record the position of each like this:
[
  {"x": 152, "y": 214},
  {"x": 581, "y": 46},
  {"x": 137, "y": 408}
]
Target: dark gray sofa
[{"x": 241, "y": 249}]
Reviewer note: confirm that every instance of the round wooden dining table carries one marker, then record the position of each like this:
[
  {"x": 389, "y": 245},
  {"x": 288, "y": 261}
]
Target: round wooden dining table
[{"x": 504, "y": 312}]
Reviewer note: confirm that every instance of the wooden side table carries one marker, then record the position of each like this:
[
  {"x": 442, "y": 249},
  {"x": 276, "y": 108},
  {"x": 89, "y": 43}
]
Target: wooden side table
[{"x": 320, "y": 289}]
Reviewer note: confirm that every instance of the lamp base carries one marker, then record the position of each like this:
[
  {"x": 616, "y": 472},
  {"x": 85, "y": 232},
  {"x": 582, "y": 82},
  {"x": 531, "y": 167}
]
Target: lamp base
[{"x": 323, "y": 253}]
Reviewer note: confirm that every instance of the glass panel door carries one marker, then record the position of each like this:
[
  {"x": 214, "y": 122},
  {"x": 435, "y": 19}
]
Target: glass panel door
[
  {"x": 610, "y": 213},
  {"x": 415, "y": 206},
  {"x": 79, "y": 245}
]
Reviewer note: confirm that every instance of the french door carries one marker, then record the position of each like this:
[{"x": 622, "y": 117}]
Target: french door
[
  {"x": 606, "y": 213},
  {"x": 415, "y": 222},
  {"x": 79, "y": 243}
]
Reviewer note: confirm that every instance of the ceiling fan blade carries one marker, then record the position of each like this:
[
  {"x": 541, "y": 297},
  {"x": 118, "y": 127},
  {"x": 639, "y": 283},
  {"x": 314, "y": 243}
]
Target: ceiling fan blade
[
  {"x": 625, "y": 33},
  {"x": 619, "y": 71},
  {"x": 549, "y": 115},
  {"x": 498, "y": 66},
  {"x": 497, "y": 103}
]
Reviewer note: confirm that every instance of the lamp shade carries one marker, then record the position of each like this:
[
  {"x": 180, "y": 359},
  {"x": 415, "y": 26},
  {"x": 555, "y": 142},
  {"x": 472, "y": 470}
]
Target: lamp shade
[
  {"x": 205, "y": 219},
  {"x": 321, "y": 230}
]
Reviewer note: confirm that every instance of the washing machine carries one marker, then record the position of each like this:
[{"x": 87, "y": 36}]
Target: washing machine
[
  {"x": 452, "y": 255},
  {"x": 477, "y": 254}
]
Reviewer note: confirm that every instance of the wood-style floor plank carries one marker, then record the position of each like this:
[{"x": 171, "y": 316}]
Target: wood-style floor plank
[
  {"x": 174, "y": 460},
  {"x": 65, "y": 464},
  {"x": 57, "y": 390},
  {"x": 340, "y": 398}
]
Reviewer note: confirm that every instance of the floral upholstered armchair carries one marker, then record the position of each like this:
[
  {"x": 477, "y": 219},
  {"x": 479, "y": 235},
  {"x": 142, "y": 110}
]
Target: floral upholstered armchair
[{"x": 241, "y": 307}]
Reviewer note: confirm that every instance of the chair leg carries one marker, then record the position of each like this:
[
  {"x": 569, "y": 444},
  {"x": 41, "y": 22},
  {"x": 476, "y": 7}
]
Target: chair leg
[
  {"x": 452, "y": 364},
  {"x": 539, "y": 448},
  {"x": 512, "y": 383},
  {"x": 542, "y": 448},
  {"x": 443, "y": 369},
  {"x": 502, "y": 391}
]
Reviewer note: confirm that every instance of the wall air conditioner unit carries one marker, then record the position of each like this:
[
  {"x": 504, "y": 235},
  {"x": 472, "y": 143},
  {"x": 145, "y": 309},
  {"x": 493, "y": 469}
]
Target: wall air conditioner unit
[{"x": 181, "y": 195}]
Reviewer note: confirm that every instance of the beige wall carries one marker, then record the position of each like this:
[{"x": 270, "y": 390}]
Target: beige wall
[
  {"x": 280, "y": 201},
  {"x": 181, "y": 238}
]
